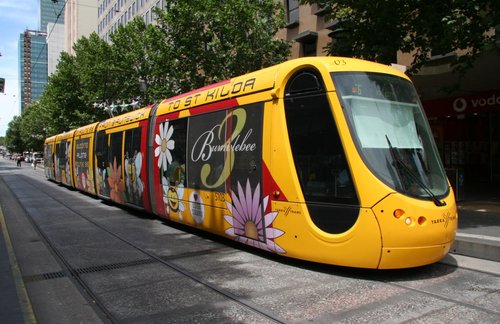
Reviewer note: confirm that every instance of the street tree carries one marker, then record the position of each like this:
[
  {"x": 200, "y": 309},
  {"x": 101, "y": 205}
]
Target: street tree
[
  {"x": 32, "y": 128},
  {"x": 13, "y": 139},
  {"x": 376, "y": 30},
  {"x": 210, "y": 41},
  {"x": 94, "y": 61},
  {"x": 190, "y": 45},
  {"x": 63, "y": 98},
  {"x": 133, "y": 47},
  {"x": 79, "y": 81}
]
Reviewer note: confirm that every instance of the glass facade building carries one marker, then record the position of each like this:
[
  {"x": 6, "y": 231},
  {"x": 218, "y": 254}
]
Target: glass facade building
[
  {"x": 33, "y": 66},
  {"x": 33, "y": 52},
  {"x": 51, "y": 12}
]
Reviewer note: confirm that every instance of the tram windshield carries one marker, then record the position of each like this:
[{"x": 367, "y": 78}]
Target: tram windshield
[{"x": 391, "y": 131}]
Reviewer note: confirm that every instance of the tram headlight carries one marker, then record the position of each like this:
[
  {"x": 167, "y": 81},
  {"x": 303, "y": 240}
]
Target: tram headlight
[{"x": 408, "y": 221}]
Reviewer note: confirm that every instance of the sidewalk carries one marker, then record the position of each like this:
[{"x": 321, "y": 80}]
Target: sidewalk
[{"x": 479, "y": 224}]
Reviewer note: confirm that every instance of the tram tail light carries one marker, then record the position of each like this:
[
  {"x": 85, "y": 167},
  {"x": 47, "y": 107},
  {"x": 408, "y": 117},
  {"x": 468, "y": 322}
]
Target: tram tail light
[{"x": 398, "y": 213}]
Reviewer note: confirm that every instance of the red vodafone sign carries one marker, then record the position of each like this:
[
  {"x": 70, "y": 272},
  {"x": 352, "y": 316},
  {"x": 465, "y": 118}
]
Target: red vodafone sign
[{"x": 468, "y": 104}]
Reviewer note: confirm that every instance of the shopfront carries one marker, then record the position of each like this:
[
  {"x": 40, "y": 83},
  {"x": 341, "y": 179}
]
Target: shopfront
[{"x": 467, "y": 133}]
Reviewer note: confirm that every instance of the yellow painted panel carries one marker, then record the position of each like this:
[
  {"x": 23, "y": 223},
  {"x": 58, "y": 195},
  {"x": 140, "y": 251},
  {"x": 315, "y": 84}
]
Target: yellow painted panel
[
  {"x": 88, "y": 129},
  {"x": 122, "y": 128},
  {"x": 125, "y": 119},
  {"x": 358, "y": 247},
  {"x": 235, "y": 88}
]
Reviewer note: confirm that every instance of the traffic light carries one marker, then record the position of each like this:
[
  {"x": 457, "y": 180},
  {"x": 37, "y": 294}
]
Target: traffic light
[{"x": 2, "y": 85}]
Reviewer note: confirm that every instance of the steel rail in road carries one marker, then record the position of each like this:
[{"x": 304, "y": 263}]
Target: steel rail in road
[{"x": 75, "y": 273}]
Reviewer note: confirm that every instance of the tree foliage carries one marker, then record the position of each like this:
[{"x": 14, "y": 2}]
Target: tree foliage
[
  {"x": 13, "y": 139},
  {"x": 376, "y": 30},
  {"x": 134, "y": 59},
  {"x": 209, "y": 40},
  {"x": 192, "y": 44},
  {"x": 33, "y": 127}
]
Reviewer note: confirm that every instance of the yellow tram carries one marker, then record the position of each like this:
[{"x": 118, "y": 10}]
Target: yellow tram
[{"x": 326, "y": 159}]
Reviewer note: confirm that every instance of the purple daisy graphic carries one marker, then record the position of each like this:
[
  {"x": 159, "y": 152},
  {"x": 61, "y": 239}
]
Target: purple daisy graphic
[{"x": 248, "y": 224}]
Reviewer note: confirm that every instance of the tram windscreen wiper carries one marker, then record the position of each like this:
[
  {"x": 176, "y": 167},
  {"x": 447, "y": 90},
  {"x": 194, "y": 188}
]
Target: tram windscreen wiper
[{"x": 398, "y": 161}]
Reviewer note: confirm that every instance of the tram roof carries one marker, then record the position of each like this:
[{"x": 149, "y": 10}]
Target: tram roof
[
  {"x": 125, "y": 119},
  {"x": 265, "y": 80}
]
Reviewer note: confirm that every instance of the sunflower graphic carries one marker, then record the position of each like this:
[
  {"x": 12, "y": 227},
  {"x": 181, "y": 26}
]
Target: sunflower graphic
[{"x": 248, "y": 224}]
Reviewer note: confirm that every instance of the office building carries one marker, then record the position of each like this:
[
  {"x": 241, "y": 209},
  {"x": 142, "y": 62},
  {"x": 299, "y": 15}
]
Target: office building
[
  {"x": 113, "y": 13},
  {"x": 35, "y": 53},
  {"x": 51, "y": 11},
  {"x": 55, "y": 45},
  {"x": 32, "y": 66},
  {"x": 80, "y": 20}
]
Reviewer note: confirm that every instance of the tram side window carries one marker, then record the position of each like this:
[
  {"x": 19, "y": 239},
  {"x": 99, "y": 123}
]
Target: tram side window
[
  {"x": 58, "y": 149},
  {"x": 62, "y": 155},
  {"x": 115, "y": 168},
  {"x": 101, "y": 153},
  {"x": 175, "y": 172},
  {"x": 317, "y": 150},
  {"x": 48, "y": 155},
  {"x": 115, "y": 151},
  {"x": 101, "y": 150},
  {"x": 133, "y": 166},
  {"x": 56, "y": 162},
  {"x": 206, "y": 164}
]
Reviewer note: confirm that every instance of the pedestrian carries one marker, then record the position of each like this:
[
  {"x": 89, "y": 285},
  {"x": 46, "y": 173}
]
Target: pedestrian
[
  {"x": 18, "y": 161},
  {"x": 34, "y": 164}
]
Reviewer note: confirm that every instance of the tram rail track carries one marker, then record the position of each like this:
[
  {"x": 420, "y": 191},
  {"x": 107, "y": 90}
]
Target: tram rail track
[{"x": 77, "y": 273}]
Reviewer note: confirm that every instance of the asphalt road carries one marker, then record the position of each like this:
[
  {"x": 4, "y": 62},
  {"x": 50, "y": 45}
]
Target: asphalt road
[{"x": 78, "y": 259}]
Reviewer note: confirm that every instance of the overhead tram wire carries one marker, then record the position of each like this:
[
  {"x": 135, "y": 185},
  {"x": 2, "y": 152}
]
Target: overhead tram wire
[{"x": 53, "y": 26}]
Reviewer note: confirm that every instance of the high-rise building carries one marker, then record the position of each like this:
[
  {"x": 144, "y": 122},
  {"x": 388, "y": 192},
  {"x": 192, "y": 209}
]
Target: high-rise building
[
  {"x": 32, "y": 66},
  {"x": 55, "y": 45},
  {"x": 80, "y": 20},
  {"x": 34, "y": 52},
  {"x": 113, "y": 13},
  {"x": 51, "y": 11}
]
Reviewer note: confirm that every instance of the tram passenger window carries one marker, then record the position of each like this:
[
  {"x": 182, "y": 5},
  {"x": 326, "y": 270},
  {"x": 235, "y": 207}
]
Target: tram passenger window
[
  {"x": 317, "y": 150},
  {"x": 101, "y": 152},
  {"x": 206, "y": 165},
  {"x": 174, "y": 172},
  {"x": 115, "y": 148},
  {"x": 133, "y": 165},
  {"x": 177, "y": 170},
  {"x": 115, "y": 168}
]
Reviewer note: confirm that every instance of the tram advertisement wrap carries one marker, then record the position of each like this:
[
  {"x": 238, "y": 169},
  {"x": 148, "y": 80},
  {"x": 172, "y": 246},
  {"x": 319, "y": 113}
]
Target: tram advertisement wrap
[
  {"x": 82, "y": 163},
  {"x": 224, "y": 144}
]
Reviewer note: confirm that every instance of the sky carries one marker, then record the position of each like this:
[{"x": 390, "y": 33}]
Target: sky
[{"x": 15, "y": 17}]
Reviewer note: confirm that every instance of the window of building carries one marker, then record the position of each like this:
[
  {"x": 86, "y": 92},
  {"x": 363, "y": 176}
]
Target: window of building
[
  {"x": 309, "y": 48},
  {"x": 292, "y": 12},
  {"x": 308, "y": 43}
]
